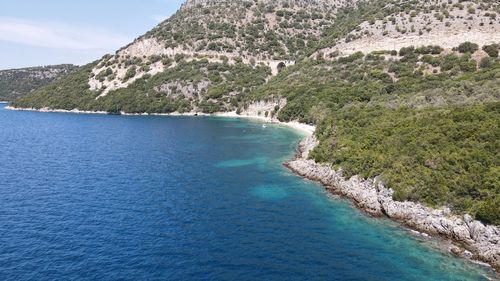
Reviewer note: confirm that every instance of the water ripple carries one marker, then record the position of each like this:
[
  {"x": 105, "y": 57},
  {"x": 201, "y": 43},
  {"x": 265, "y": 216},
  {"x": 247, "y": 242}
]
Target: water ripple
[{"x": 89, "y": 197}]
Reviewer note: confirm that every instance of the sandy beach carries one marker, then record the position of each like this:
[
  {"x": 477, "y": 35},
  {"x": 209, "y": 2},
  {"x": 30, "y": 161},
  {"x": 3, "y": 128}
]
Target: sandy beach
[{"x": 304, "y": 128}]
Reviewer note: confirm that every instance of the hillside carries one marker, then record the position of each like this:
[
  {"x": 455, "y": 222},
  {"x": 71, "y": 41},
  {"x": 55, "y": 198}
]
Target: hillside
[
  {"x": 15, "y": 83},
  {"x": 402, "y": 23},
  {"x": 393, "y": 87},
  {"x": 432, "y": 137}
]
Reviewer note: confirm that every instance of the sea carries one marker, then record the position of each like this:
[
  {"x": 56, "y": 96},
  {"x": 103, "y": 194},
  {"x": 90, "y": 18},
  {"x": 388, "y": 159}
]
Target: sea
[{"x": 103, "y": 197}]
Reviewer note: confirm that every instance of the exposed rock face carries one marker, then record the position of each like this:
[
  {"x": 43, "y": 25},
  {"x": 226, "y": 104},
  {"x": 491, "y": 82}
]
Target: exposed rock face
[
  {"x": 424, "y": 26},
  {"x": 264, "y": 108},
  {"x": 374, "y": 198},
  {"x": 144, "y": 49},
  {"x": 187, "y": 89},
  {"x": 189, "y": 4}
]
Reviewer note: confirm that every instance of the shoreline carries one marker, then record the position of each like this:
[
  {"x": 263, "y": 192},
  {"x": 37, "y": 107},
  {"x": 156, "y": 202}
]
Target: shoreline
[
  {"x": 469, "y": 239},
  {"x": 307, "y": 130},
  {"x": 466, "y": 237},
  {"x": 47, "y": 110}
]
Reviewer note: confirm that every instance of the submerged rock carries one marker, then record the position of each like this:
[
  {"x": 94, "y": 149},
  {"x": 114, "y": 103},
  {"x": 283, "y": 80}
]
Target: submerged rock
[{"x": 477, "y": 241}]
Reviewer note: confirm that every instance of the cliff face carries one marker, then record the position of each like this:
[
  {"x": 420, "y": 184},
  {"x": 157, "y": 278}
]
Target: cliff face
[
  {"x": 441, "y": 22},
  {"x": 190, "y": 4},
  {"x": 374, "y": 198}
]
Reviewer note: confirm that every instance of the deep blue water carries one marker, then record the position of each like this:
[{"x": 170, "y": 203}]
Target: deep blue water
[{"x": 96, "y": 197}]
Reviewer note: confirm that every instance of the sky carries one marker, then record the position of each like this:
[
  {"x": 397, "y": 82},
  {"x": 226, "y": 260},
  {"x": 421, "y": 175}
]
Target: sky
[{"x": 45, "y": 32}]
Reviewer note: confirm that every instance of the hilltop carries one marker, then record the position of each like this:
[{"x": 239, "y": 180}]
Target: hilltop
[{"x": 15, "y": 83}]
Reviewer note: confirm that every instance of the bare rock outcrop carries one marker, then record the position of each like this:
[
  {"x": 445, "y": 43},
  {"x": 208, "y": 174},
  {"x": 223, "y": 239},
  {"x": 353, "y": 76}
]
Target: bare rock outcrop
[{"x": 370, "y": 195}]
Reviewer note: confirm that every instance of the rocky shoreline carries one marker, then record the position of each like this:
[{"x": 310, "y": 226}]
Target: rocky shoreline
[{"x": 471, "y": 239}]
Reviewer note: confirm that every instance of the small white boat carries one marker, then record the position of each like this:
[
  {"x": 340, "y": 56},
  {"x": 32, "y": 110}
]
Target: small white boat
[{"x": 264, "y": 126}]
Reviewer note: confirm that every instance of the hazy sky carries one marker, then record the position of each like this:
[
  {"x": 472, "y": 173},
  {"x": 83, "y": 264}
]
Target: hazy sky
[{"x": 43, "y": 32}]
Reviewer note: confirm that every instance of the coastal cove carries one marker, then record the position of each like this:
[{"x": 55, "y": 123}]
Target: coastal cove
[
  {"x": 190, "y": 197},
  {"x": 463, "y": 236},
  {"x": 304, "y": 128}
]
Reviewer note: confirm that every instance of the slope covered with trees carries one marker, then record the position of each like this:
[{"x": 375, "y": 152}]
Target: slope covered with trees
[
  {"x": 15, "y": 83},
  {"x": 432, "y": 137}
]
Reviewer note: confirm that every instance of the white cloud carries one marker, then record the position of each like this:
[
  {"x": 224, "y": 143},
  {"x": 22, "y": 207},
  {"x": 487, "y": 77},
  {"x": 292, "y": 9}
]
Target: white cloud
[{"x": 58, "y": 35}]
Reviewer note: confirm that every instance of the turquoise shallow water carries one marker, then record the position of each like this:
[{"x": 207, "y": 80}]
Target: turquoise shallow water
[{"x": 96, "y": 197}]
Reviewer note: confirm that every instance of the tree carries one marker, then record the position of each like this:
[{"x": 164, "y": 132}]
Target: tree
[
  {"x": 468, "y": 66},
  {"x": 491, "y": 50},
  {"x": 486, "y": 62},
  {"x": 131, "y": 72},
  {"x": 467, "y": 47},
  {"x": 489, "y": 212}
]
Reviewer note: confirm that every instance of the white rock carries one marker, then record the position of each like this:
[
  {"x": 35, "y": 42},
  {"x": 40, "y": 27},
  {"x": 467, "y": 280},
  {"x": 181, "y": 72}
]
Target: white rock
[{"x": 373, "y": 197}]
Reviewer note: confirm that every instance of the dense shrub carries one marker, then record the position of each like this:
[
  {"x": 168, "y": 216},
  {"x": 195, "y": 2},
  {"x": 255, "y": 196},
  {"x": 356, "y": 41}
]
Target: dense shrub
[
  {"x": 467, "y": 47},
  {"x": 486, "y": 62},
  {"x": 131, "y": 72},
  {"x": 406, "y": 51},
  {"x": 16, "y": 83},
  {"x": 351, "y": 58},
  {"x": 491, "y": 50},
  {"x": 489, "y": 210},
  {"x": 449, "y": 62},
  {"x": 432, "y": 60},
  {"x": 431, "y": 138},
  {"x": 468, "y": 65},
  {"x": 68, "y": 93},
  {"x": 439, "y": 156},
  {"x": 424, "y": 50}
]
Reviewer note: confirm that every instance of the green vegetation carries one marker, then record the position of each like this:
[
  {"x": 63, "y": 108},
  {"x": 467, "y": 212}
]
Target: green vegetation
[
  {"x": 68, "y": 93},
  {"x": 274, "y": 30},
  {"x": 467, "y": 47},
  {"x": 177, "y": 89},
  {"x": 442, "y": 156},
  {"x": 131, "y": 72},
  {"x": 15, "y": 83},
  {"x": 433, "y": 138},
  {"x": 491, "y": 50}
]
